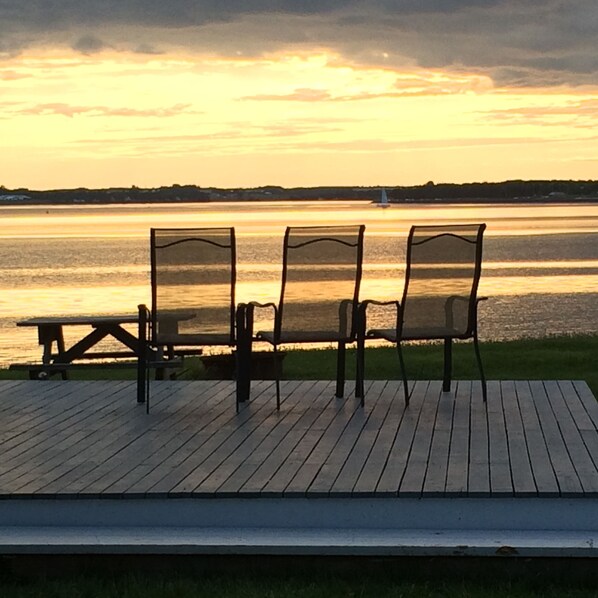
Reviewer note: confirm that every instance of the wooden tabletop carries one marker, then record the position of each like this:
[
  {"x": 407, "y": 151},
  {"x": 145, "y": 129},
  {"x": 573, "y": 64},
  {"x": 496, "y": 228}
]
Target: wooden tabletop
[{"x": 79, "y": 320}]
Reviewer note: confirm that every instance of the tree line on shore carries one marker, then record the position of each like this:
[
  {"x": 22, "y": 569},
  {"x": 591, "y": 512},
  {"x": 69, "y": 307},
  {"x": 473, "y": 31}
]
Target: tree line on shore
[{"x": 516, "y": 190}]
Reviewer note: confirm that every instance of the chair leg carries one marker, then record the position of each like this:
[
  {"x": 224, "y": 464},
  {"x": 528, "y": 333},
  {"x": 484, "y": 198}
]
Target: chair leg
[
  {"x": 277, "y": 375},
  {"x": 448, "y": 365},
  {"x": 479, "y": 359},
  {"x": 360, "y": 355},
  {"x": 142, "y": 357},
  {"x": 242, "y": 357},
  {"x": 403, "y": 372},
  {"x": 360, "y": 371},
  {"x": 238, "y": 375},
  {"x": 141, "y": 374},
  {"x": 147, "y": 390},
  {"x": 340, "y": 369}
]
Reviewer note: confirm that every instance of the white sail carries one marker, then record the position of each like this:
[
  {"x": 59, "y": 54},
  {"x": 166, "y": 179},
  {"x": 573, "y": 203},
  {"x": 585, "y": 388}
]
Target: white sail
[{"x": 383, "y": 203}]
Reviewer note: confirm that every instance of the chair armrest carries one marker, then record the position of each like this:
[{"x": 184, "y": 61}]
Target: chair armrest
[
  {"x": 252, "y": 305},
  {"x": 249, "y": 309},
  {"x": 374, "y": 302},
  {"x": 461, "y": 298},
  {"x": 262, "y": 305},
  {"x": 362, "y": 313}
]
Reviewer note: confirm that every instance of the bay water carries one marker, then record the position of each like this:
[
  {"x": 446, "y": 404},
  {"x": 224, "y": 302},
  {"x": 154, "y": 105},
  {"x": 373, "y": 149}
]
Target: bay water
[{"x": 540, "y": 268}]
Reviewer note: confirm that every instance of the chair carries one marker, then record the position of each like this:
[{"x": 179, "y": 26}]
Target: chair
[
  {"x": 193, "y": 274},
  {"x": 321, "y": 274},
  {"x": 439, "y": 300}
]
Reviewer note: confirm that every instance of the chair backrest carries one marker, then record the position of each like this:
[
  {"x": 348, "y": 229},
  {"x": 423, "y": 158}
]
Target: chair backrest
[
  {"x": 321, "y": 276},
  {"x": 193, "y": 275},
  {"x": 441, "y": 280}
]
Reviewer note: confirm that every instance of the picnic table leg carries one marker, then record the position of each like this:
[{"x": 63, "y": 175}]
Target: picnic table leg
[{"x": 48, "y": 335}]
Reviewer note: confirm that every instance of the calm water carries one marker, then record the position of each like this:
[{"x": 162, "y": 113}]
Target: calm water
[{"x": 540, "y": 262}]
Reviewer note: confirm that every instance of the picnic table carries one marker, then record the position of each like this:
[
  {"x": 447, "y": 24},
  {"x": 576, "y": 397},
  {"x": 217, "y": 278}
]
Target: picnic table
[{"x": 58, "y": 358}]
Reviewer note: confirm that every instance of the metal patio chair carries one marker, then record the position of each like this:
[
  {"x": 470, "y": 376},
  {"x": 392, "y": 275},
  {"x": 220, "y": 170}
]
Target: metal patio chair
[
  {"x": 321, "y": 275},
  {"x": 439, "y": 301},
  {"x": 193, "y": 275}
]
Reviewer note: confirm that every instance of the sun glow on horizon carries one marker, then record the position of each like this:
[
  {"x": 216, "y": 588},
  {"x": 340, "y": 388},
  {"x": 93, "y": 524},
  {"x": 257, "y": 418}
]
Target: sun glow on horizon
[{"x": 293, "y": 119}]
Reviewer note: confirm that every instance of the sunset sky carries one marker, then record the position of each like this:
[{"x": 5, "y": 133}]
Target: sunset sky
[{"x": 243, "y": 93}]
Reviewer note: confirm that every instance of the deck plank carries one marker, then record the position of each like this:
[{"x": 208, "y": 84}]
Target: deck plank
[
  {"x": 178, "y": 423},
  {"x": 129, "y": 454},
  {"x": 501, "y": 483},
  {"x": 567, "y": 478},
  {"x": 576, "y": 448},
  {"x": 542, "y": 470},
  {"x": 399, "y": 455},
  {"x": 92, "y": 439},
  {"x": 280, "y": 483},
  {"x": 345, "y": 455},
  {"x": 63, "y": 424},
  {"x": 214, "y": 442},
  {"x": 70, "y": 449},
  {"x": 264, "y": 467},
  {"x": 437, "y": 468},
  {"x": 521, "y": 467},
  {"x": 377, "y": 459},
  {"x": 231, "y": 474},
  {"x": 589, "y": 401},
  {"x": 478, "y": 483},
  {"x": 458, "y": 452},
  {"x": 301, "y": 483},
  {"x": 354, "y": 464},
  {"x": 417, "y": 465}
]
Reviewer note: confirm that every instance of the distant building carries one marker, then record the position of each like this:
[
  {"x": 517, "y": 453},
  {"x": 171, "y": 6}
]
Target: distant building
[{"x": 15, "y": 198}]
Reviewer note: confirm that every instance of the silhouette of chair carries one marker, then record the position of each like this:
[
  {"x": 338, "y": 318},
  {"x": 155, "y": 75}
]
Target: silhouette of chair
[
  {"x": 321, "y": 274},
  {"x": 193, "y": 275},
  {"x": 439, "y": 301}
]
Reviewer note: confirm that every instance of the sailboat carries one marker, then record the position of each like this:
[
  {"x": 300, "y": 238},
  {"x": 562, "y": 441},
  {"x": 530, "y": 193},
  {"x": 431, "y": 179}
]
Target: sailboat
[{"x": 383, "y": 203}]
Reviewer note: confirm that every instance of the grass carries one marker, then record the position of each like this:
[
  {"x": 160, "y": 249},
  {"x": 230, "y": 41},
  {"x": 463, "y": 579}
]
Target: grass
[
  {"x": 315, "y": 577},
  {"x": 552, "y": 358},
  {"x": 555, "y": 358}
]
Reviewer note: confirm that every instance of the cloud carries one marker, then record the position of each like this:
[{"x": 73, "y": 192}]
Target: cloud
[
  {"x": 581, "y": 114},
  {"x": 320, "y": 95},
  {"x": 9, "y": 75},
  {"x": 524, "y": 43},
  {"x": 71, "y": 111},
  {"x": 299, "y": 95},
  {"x": 89, "y": 44},
  {"x": 147, "y": 49}
]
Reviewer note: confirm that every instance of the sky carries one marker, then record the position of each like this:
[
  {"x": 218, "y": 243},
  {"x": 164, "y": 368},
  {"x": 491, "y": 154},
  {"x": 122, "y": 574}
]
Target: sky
[{"x": 244, "y": 93}]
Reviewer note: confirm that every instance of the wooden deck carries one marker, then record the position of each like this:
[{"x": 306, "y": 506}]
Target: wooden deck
[
  {"x": 91, "y": 442},
  {"x": 92, "y": 439}
]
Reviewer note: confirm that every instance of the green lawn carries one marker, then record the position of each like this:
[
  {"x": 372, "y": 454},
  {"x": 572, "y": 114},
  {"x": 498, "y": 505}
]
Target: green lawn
[
  {"x": 562, "y": 358},
  {"x": 220, "y": 577},
  {"x": 557, "y": 358}
]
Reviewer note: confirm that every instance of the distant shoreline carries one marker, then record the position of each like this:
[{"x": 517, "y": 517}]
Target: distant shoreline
[
  {"x": 430, "y": 193},
  {"x": 422, "y": 202}
]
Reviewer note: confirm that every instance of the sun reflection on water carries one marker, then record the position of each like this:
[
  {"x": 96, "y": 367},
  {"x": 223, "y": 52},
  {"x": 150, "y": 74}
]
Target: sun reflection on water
[{"x": 69, "y": 260}]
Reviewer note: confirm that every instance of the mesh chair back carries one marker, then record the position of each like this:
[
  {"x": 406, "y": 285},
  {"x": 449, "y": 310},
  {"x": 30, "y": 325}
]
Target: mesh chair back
[
  {"x": 193, "y": 276},
  {"x": 442, "y": 276},
  {"x": 320, "y": 283}
]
